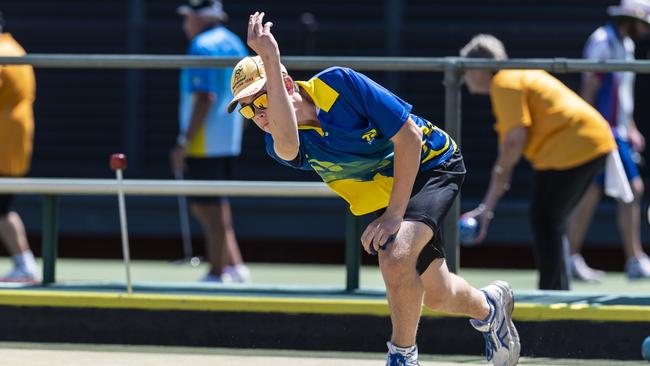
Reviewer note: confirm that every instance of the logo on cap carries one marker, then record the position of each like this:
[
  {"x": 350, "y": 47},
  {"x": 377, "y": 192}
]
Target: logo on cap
[{"x": 238, "y": 77}]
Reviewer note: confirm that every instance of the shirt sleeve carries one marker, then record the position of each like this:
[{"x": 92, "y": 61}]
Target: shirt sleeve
[
  {"x": 510, "y": 109},
  {"x": 200, "y": 77},
  {"x": 300, "y": 162},
  {"x": 597, "y": 49},
  {"x": 386, "y": 111}
]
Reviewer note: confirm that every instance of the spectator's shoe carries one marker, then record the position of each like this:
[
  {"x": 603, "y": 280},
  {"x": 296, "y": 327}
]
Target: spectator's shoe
[
  {"x": 638, "y": 267},
  {"x": 20, "y": 274},
  {"x": 210, "y": 278},
  {"x": 397, "y": 358},
  {"x": 236, "y": 274},
  {"x": 580, "y": 271},
  {"x": 501, "y": 338}
]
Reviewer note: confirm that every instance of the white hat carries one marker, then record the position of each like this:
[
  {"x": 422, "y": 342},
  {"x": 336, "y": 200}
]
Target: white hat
[
  {"x": 638, "y": 9},
  {"x": 211, "y": 8}
]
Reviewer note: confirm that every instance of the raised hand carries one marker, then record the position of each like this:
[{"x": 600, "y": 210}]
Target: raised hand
[{"x": 260, "y": 39}]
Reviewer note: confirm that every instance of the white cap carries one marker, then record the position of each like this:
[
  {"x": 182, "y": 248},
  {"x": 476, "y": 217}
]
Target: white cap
[{"x": 639, "y": 9}]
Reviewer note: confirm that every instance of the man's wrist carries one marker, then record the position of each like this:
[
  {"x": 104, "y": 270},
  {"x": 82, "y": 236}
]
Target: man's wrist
[
  {"x": 181, "y": 141},
  {"x": 489, "y": 213},
  {"x": 394, "y": 210}
]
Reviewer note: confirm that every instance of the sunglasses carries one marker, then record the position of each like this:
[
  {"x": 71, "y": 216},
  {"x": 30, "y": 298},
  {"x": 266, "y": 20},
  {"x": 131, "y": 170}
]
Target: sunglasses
[{"x": 248, "y": 110}]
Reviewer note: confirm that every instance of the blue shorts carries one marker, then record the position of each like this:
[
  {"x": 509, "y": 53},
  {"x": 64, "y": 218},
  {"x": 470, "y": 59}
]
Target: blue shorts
[{"x": 625, "y": 152}]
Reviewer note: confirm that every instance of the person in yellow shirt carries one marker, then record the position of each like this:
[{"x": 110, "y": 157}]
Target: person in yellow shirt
[
  {"x": 17, "y": 91},
  {"x": 565, "y": 140}
]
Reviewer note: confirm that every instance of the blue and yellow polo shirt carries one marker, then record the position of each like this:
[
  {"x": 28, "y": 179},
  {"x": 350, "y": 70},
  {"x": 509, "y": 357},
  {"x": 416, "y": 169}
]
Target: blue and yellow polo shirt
[{"x": 352, "y": 151}]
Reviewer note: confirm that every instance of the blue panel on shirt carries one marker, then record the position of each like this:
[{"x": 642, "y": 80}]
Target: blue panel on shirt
[
  {"x": 352, "y": 151},
  {"x": 607, "y": 98},
  {"x": 221, "y": 132}
]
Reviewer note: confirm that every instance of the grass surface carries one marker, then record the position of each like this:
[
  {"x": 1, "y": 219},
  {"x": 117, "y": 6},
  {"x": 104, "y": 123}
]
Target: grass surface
[
  {"x": 72, "y": 270},
  {"x": 36, "y": 354}
]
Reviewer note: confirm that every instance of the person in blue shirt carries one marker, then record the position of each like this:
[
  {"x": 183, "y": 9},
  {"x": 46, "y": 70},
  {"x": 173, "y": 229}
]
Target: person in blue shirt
[
  {"x": 612, "y": 94},
  {"x": 209, "y": 137},
  {"x": 364, "y": 142}
]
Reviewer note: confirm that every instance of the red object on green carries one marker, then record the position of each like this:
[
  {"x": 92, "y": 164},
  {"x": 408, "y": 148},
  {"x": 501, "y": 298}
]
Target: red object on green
[{"x": 118, "y": 161}]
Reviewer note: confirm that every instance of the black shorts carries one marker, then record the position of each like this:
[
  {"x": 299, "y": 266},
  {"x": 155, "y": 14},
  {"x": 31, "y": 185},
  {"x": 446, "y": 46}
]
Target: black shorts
[
  {"x": 434, "y": 191},
  {"x": 207, "y": 169},
  {"x": 5, "y": 204}
]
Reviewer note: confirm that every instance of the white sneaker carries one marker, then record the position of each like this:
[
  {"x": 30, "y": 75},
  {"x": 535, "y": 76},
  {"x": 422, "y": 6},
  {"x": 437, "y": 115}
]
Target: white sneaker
[
  {"x": 20, "y": 274},
  {"x": 396, "y": 358},
  {"x": 236, "y": 274},
  {"x": 638, "y": 267},
  {"x": 502, "y": 345},
  {"x": 580, "y": 271}
]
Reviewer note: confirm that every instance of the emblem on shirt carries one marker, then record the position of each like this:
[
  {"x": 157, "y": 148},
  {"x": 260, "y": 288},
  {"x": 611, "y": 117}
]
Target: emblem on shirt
[{"x": 369, "y": 136}]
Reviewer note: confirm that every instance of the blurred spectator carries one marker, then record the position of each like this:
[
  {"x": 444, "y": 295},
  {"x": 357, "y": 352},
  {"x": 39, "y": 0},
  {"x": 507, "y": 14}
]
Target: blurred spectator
[
  {"x": 209, "y": 137},
  {"x": 563, "y": 137},
  {"x": 613, "y": 95},
  {"x": 17, "y": 93}
]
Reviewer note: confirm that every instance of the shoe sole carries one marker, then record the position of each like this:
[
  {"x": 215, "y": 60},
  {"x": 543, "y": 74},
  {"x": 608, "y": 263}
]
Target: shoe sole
[
  {"x": 26, "y": 281},
  {"x": 510, "y": 307}
]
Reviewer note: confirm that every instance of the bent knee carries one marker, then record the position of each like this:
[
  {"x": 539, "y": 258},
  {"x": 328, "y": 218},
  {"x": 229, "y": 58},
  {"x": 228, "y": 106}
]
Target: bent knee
[{"x": 395, "y": 268}]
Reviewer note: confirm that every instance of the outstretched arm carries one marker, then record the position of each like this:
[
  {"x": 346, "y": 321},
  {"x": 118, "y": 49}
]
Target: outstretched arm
[
  {"x": 510, "y": 151},
  {"x": 280, "y": 114}
]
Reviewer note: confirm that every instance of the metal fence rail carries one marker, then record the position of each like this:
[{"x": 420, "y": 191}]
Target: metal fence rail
[
  {"x": 410, "y": 64},
  {"x": 452, "y": 67},
  {"x": 51, "y": 189},
  {"x": 145, "y": 187}
]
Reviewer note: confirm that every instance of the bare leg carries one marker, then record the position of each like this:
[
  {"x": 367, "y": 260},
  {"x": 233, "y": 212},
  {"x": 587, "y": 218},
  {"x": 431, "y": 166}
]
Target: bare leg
[
  {"x": 232, "y": 254},
  {"x": 449, "y": 293},
  {"x": 210, "y": 218},
  {"x": 12, "y": 233},
  {"x": 403, "y": 285},
  {"x": 581, "y": 216},
  {"x": 406, "y": 290},
  {"x": 629, "y": 221}
]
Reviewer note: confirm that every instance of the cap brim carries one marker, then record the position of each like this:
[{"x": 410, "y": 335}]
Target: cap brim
[
  {"x": 252, "y": 89},
  {"x": 618, "y": 11}
]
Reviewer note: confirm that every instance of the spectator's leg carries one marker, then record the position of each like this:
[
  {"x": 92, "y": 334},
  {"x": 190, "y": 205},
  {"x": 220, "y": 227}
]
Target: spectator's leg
[
  {"x": 555, "y": 195},
  {"x": 12, "y": 233},
  {"x": 581, "y": 217},
  {"x": 629, "y": 221},
  {"x": 209, "y": 215},
  {"x": 232, "y": 254}
]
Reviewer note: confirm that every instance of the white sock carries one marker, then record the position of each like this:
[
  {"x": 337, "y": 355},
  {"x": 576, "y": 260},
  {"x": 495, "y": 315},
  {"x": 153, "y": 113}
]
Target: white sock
[
  {"x": 237, "y": 268},
  {"x": 25, "y": 260},
  {"x": 229, "y": 269},
  {"x": 406, "y": 351}
]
